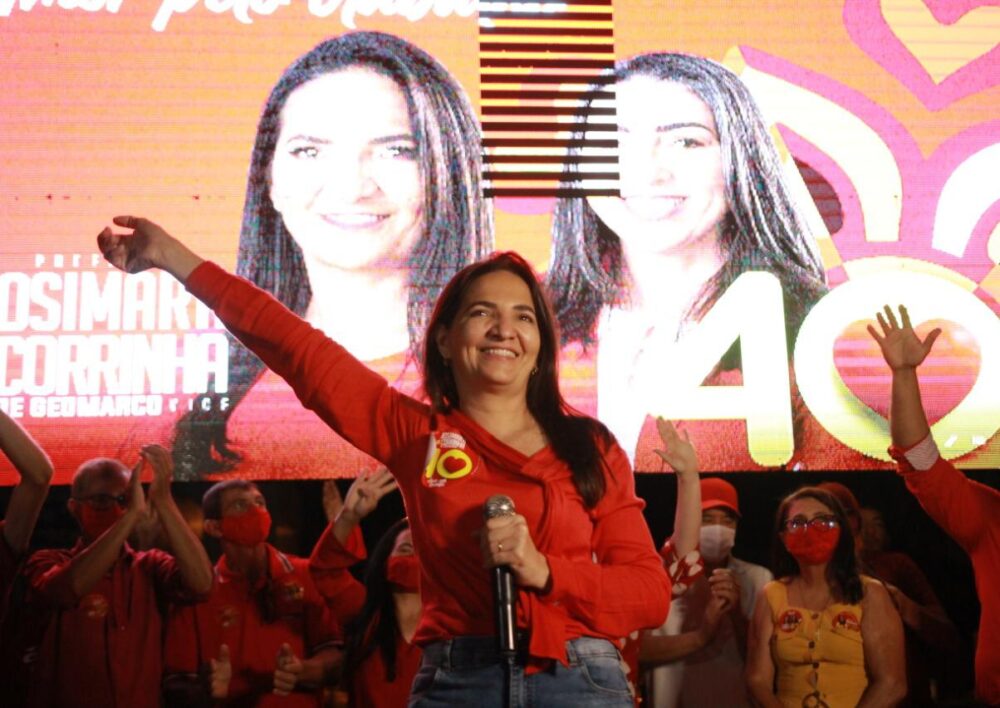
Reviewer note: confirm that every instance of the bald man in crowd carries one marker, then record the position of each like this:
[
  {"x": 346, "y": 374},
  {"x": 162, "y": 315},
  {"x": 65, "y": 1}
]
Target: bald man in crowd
[{"x": 103, "y": 603}]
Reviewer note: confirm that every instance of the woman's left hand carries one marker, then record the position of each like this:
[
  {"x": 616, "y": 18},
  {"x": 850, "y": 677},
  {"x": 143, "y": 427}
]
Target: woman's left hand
[{"x": 505, "y": 540}]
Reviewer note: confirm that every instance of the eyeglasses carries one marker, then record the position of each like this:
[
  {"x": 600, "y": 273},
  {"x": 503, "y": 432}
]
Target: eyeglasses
[
  {"x": 800, "y": 523},
  {"x": 104, "y": 501}
]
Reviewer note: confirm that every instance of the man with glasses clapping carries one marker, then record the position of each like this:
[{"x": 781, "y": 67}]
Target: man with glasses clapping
[{"x": 104, "y": 602}]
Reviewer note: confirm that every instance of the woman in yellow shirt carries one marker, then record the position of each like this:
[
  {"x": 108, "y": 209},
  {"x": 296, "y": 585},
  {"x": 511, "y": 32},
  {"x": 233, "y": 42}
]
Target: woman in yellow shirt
[{"x": 823, "y": 636}]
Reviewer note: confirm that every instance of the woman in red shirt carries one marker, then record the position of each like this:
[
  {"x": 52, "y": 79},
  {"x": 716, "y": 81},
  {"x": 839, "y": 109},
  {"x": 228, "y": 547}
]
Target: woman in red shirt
[
  {"x": 380, "y": 616},
  {"x": 380, "y": 660},
  {"x": 586, "y": 571}
]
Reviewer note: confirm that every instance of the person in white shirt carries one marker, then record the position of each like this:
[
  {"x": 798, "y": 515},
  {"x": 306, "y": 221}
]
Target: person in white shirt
[{"x": 697, "y": 657}]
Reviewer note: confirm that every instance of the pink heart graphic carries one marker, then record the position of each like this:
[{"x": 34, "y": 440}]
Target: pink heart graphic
[
  {"x": 946, "y": 376},
  {"x": 868, "y": 27}
]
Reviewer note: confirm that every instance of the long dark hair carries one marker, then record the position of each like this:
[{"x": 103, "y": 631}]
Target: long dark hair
[
  {"x": 842, "y": 572},
  {"x": 457, "y": 225},
  {"x": 574, "y": 437},
  {"x": 375, "y": 628},
  {"x": 761, "y": 231}
]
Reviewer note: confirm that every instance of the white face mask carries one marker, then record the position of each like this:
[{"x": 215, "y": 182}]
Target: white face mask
[{"x": 716, "y": 542}]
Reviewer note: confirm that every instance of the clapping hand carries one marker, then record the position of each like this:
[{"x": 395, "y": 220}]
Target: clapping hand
[
  {"x": 163, "y": 473},
  {"x": 136, "y": 497}
]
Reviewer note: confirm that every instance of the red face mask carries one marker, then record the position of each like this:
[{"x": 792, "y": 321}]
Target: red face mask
[
  {"x": 403, "y": 573},
  {"x": 812, "y": 545},
  {"x": 94, "y": 522},
  {"x": 247, "y": 529}
]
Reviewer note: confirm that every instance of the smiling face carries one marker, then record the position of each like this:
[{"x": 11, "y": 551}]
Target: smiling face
[
  {"x": 345, "y": 175},
  {"x": 672, "y": 184},
  {"x": 493, "y": 342}
]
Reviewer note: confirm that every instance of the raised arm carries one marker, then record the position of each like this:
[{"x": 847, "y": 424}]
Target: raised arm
[
  {"x": 904, "y": 352},
  {"x": 679, "y": 453},
  {"x": 354, "y": 401},
  {"x": 342, "y": 545},
  {"x": 362, "y": 497},
  {"x": 147, "y": 246},
  {"x": 192, "y": 560},
  {"x": 959, "y": 505},
  {"x": 26, "y": 500}
]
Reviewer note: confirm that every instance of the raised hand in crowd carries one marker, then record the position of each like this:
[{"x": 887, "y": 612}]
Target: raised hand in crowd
[
  {"x": 679, "y": 453},
  {"x": 365, "y": 492},
  {"x": 967, "y": 510},
  {"x": 221, "y": 674},
  {"x": 192, "y": 559},
  {"x": 35, "y": 470},
  {"x": 904, "y": 351},
  {"x": 362, "y": 497},
  {"x": 900, "y": 345}
]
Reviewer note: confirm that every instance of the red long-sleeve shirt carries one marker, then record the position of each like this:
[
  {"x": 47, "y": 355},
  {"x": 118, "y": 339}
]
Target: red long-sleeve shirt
[
  {"x": 969, "y": 512},
  {"x": 606, "y": 578}
]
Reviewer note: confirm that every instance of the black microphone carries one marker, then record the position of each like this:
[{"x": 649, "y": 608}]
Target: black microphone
[{"x": 503, "y": 583}]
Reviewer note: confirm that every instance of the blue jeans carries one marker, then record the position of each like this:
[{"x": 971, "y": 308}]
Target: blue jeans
[{"x": 467, "y": 671}]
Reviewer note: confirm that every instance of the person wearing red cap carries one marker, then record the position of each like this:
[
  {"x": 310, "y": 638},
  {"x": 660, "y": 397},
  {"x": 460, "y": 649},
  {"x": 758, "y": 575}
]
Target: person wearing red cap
[
  {"x": 697, "y": 657},
  {"x": 264, "y": 631},
  {"x": 965, "y": 509}
]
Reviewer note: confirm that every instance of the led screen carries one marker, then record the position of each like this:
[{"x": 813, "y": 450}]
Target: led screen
[{"x": 709, "y": 265}]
